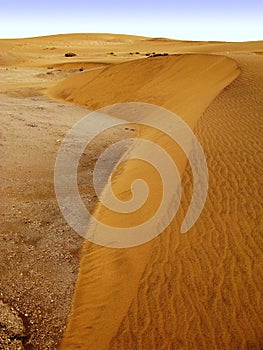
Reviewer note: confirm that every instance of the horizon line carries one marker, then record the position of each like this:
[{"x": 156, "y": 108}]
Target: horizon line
[{"x": 123, "y": 34}]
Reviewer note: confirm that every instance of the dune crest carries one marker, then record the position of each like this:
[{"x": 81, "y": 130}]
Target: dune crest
[
  {"x": 109, "y": 279},
  {"x": 185, "y": 84}
]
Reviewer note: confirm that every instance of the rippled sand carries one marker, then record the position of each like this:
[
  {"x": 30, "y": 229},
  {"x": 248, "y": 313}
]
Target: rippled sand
[
  {"x": 194, "y": 291},
  {"x": 200, "y": 290}
]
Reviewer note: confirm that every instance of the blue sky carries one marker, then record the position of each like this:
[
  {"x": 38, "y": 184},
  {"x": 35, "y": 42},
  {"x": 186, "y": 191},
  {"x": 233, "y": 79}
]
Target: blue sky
[{"x": 189, "y": 19}]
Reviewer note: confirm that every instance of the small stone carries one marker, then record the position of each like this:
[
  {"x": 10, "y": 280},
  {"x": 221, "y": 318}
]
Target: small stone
[{"x": 32, "y": 125}]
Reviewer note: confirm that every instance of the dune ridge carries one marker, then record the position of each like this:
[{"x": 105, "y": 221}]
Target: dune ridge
[
  {"x": 203, "y": 290},
  {"x": 174, "y": 82},
  {"x": 109, "y": 279}
]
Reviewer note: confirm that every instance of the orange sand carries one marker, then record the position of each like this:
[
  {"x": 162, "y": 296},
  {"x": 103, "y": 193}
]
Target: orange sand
[
  {"x": 195, "y": 291},
  {"x": 163, "y": 295}
]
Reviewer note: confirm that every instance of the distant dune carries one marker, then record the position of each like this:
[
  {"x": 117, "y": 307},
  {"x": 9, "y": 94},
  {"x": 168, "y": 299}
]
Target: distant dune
[
  {"x": 48, "y": 50},
  {"x": 195, "y": 291}
]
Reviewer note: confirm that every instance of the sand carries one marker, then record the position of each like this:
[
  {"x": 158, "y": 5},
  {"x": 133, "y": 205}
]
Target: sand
[
  {"x": 195, "y": 291},
  {"x": 207, "y": 283},
  {"x": 184, "y": 84}
]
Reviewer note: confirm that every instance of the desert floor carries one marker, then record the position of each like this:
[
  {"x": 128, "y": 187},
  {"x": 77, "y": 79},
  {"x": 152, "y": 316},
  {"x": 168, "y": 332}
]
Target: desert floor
[{"x": 201, "y": 290}]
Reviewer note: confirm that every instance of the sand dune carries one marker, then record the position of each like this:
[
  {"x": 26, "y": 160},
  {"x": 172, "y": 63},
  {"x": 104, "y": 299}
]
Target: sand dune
[
  {"x": 195, "y": 291},
  {"x": 104, "y": 48},
  {"x": 159, "y": 290},
  {"x": 119, "y": 275},
  {"x": 185, "y": 84},
  {"x": 207, "y": 283}
]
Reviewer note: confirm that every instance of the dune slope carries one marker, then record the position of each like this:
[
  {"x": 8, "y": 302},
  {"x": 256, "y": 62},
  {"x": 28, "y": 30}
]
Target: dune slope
[
  {"x": 203, "y": 290},
  {"x": 185, "y": 84},
  {"x": 110, "y": 279}
]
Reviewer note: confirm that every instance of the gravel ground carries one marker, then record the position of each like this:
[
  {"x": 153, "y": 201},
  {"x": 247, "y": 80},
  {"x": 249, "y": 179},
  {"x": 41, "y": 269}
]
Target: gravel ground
[{"x": 39, "y": 252}]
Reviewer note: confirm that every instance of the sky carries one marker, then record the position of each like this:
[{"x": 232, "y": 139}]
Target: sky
[{"x": 227, "y": 20}]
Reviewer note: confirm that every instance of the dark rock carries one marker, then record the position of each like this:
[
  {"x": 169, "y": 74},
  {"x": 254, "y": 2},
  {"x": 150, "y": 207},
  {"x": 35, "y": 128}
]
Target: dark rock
[{"x": 70, "y": 54}]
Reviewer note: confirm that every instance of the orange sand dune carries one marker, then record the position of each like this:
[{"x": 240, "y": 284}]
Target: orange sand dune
[
  {"x": 103, "y": 48},
  {"x": 185, "y": 84},
  {"x": 111, "y": 280},
  {"x": 41, "y": 51},
  {"x": 202, "y": 290},
  {"x": 195, "y": 291}
]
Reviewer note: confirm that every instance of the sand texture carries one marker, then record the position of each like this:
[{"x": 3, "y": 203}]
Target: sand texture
[{"x": 200, "y": 290}]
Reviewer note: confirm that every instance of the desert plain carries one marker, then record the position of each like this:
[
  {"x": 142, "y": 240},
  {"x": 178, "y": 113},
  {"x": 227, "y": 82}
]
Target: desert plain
[{"x": 200, "y": 290}]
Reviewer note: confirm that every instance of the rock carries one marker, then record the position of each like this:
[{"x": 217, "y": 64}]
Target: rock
[
  {"x": 70, "y": 54},
  {"x": 12, "y": 329},
  {"x": 32, "y": 125}
]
